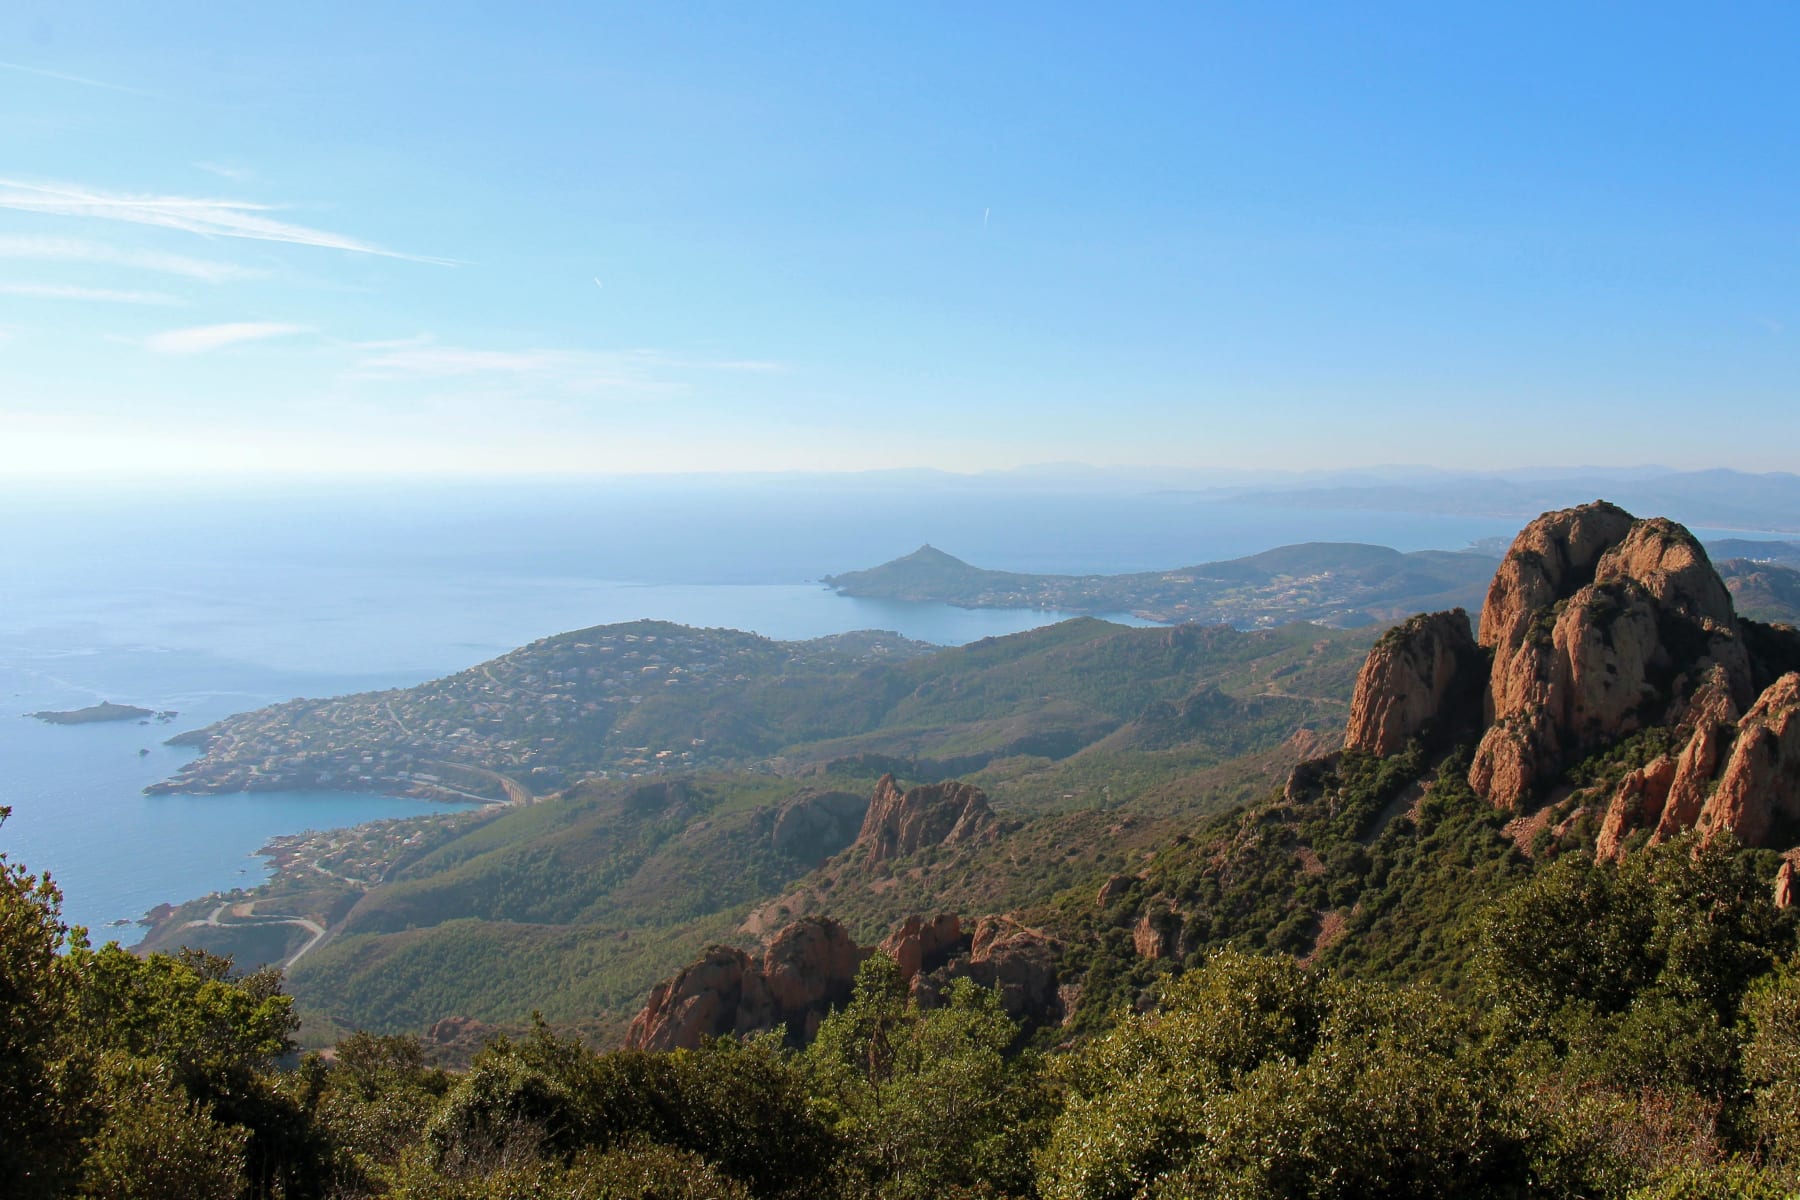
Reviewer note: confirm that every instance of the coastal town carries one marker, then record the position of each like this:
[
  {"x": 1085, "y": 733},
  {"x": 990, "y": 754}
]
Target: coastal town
[{"x": 600, "y": 702}]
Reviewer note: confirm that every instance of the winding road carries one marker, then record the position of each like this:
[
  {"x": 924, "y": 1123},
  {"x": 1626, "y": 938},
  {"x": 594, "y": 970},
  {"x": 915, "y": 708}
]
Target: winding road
[{"x": 317, "y": 930}]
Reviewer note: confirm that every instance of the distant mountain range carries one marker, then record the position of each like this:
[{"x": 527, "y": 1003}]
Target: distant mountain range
[{"x": 1717, "y": 499}]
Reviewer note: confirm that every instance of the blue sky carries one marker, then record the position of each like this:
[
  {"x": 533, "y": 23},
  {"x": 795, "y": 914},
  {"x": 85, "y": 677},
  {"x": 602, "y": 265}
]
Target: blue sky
[{"x": 457, "y": 238}]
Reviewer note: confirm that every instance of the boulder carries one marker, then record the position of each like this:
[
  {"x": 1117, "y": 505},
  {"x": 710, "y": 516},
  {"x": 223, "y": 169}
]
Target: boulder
[
  {"x": 1154, "y": 936},
  {"x": 1004, "y": 953},
  {"x": 1671, "y": 565},
  {"x": 1307, "y": 777},
  {"x": 1787, "y": 880},
  {"x": 1423, "y": 677},
  {"x": 1021, "y": 962},
  {"x": 807, "y": 969},
  {"x": 924, "y": 944},
  {"x": 1516, "y": 754},
  {"x": 1603, "y": 648},
  {"x": 701, "y": 1001}
]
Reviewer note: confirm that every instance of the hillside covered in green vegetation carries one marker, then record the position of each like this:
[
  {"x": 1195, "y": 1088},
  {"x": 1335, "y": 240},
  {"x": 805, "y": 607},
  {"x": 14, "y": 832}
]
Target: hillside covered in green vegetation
[
  {"x": 575, "y": 904},
  {"x": 1496, "y": 910},
  {"x": 1625, "y": 1032}
]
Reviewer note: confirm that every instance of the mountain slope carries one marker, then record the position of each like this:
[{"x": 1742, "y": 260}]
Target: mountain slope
[{"x": 1089, "y": 737}]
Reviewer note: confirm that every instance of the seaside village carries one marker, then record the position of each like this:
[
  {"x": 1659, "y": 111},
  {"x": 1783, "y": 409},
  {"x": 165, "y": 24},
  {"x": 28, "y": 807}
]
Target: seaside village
[{"x": 501, "y": 731}]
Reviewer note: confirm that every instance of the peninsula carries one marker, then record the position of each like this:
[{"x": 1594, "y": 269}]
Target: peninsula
[{"x": 1338, "y": 584}]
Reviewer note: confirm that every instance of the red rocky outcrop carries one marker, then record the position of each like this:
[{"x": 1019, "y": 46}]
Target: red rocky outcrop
[
  {"x": 1156, "y": 935},
  {"x": 1596, "y": 621},
  {"x": 807, "y": 969},
  {"x": 1637, "y": 803},
  {"x": 925, "y": 944},
  {"x": 1761, "y": 779},
  {"x": 1600, "y": 625},
  {"x": 1017, "y": 959},
  {"x": 899, "y": 823},
  {"x": 1550, "y": 559},
  {"x": 1424, "y": 676},
  {"x": 1712, "y": 715},
  {"x": 1787, "y": 880}
]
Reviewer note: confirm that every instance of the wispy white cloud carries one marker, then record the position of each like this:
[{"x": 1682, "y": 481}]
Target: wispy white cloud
[
  {"x": 207, "y": 217},
  {"x": 53, "y": 291},
  {"x": 227, "y": 171},
  {"x": 580, "y": 369},
  {"x": 55, "y": 249},
  {"x": 203, "y": 338},
  {"x": 83, "y": 80},
  {"x": 425, "y": 358}
]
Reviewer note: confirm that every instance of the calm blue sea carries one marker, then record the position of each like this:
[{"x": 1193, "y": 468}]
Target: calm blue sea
[{"x": 214, "y": 602}]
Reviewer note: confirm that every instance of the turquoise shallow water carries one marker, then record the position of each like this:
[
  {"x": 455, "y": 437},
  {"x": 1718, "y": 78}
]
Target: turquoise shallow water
[{"x": 215, "y": 604}]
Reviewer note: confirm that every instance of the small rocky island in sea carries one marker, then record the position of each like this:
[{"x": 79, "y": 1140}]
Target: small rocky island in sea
[{"x": 106, "y": 710}]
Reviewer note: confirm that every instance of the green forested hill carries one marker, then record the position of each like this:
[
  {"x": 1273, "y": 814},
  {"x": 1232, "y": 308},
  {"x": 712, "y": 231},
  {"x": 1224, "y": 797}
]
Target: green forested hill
[
  {"x": 649, "y": 697},
  {"x": 1763, "y": 591},
  {"x": 1353, "y": 979},
  {"x": 1090, "y": 739}
]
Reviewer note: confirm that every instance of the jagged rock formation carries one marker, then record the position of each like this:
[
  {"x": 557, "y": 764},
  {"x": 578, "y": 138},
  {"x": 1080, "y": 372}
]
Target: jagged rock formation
[
  {"x": 1596, "y": 620},
  {"x": 939, "y": 814},
  {"x": 1600, "y": 624},
  {"x": 1550, "y": 558},
  {"x": 1004, "y": 953},
  {"x": 1641, "y": 799},
  {"x": 1423, "y": 677},
  {"x": 807, "y": 969},
  {"x": 815, "y": 825},
  {"x": 999, "y": 951},
  {"x": 1741, "y": 776},
  {"x": 1712, "y": 714},
  {"x": 1787, "y": 881},
  {"x": 1761, "y": 780},
  {"x": 920, "y": 944},
  {"x": 1156, "y": 935}
]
